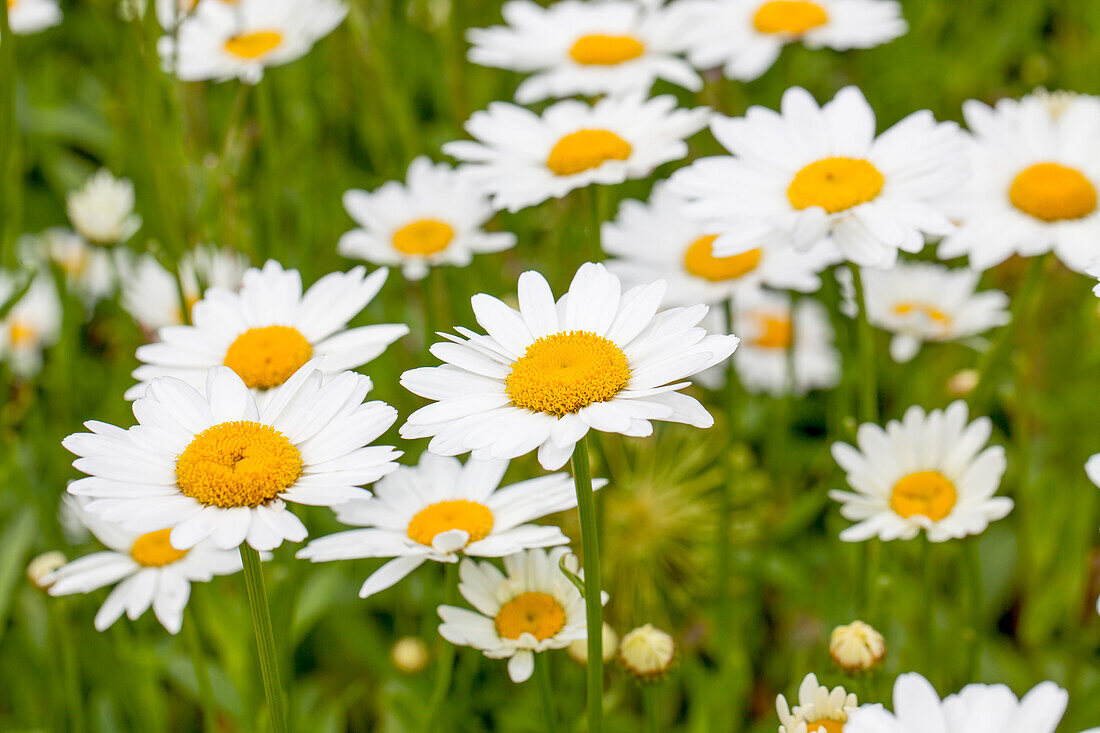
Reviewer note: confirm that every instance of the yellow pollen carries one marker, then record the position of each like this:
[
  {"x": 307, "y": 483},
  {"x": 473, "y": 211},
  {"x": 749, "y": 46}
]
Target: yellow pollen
[
  {"x": 537, "y": 614},
  {"x": 776, "y": 332},
  {"x": 564, "y": 372},
  {"x": 266, "y": 357},
  {"x": 586, "y": 149},
  {"x": 1053, "y": 192},
  {"x": 925, "y": 493},
  {"x": 835, "y": 184},
  {"x": 474, "y": 518},
  {"x": 792, "y": 17},
  {"x": 240, "y": 463},
  {"x": 253, "y": 45},
  {"x": 423, "y": 238},
  {"x": 22, "y": 334},
  {"x": 153, "y": 550},
  {"x": 700, "y": 261},
  {"x": 928, "y": 311},
  {"x": 830, "y": 725},
  {"x": 600, "y": 50}
]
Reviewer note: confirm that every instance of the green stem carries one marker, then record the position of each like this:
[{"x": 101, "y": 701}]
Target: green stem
[
  {"x": 590, "y": 545},
  {"x": 202, "y": 674},
  {"x": 265, "y": 637},
  {"x": 444, "y": 669},
  {"x": 542, "y": 679},
  {"x": 71, "y": 678},
  {"x": 723, "y": 556},
  {"x": 649, "y": 708},
  {"x": 974, "y": 581},
  {"x": 865, "y": 337}
]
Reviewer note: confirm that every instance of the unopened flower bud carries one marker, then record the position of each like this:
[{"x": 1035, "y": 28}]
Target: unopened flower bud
[
  {"x": 42, "y": 566},
  {"x": 647, "y": 652},
  {"x": 578, "y": 650},
  {"x": 856, "y": 647},
  {"x": 963, "y": 382},
  {"x": 409, "y": 654}
]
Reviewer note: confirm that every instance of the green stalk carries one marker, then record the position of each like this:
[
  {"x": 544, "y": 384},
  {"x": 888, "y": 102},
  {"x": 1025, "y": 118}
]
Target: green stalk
[
  {"x": 542, "y": 679},
  {"x": 444, "y": 669},
  {"x": 649, "y": 707},
  {"x": 590, "y": 545},
  {"x": 973, "y": 575},
  {"x": 58, "y": 618},
  {"x": 265, "y": 637},
  {"x": 207, "y": 703},
  {"x": 11, "y": 169},
  {"x": 723, "y": 556},
  {"x": 865, "y": 337}
]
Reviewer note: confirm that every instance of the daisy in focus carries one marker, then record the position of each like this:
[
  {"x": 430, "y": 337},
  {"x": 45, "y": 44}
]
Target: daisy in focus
[
  {"x": 32, "y": 16},
  {"x": 598, "y": 358},
  {"x": 218, "y": 466},
  {"x": 1036, "y": 169},
  {"x": 523, "y": 158},
  {"x": 529, "y": 608},
  {"x": 926, "y": 471},
  {"x": 584, "y": 48},
  {"x": 745, "y": 37},
  {"x": 89, "y": 273},
  {"x": 239, "y": 39},
  {"x": 808, "y": 173},
  {"x": 439, "y": 510},
  {"x": 818, "y": 708},
  {"x": 29, "y": 326},
  {"x": 102, "y": 210},
  {"x": 268, "y": 329},
  {"x": 434, "y": 218}
]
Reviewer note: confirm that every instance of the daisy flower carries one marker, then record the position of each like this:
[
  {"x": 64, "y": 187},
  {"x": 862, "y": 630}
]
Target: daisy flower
[
  {"x": 269, "y": 328},
  {"x": 808, "y": 173},
  {"x": 30, "y": 325},
  {"x": 88, "y": 269},
  {"x": 529, "y": 608},
  {"x": 547, "y": 373},
  {"x": 220, "y": 466},
  {"x": 102, "y": 210},
  {"x": 522, "y": 158},
  {"x": 745, "y": 37},
  {"x": 925, "y": 472},
  {"x": 657, "y": 240},
  {"x": 586, "y": 48},
  {"x": 818, "y": 708},
  {"x": 440, "y": 509},
  {"x": 434, "y": 218},
  {"x": 148, "y": 570},
  {"x": 238, "y": 40},
  {"x": 31, "y": 16},
  {"x": 1036, "y": 169}
]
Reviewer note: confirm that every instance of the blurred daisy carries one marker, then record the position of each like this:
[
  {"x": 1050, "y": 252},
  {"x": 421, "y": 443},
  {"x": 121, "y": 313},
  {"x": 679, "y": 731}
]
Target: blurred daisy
[
  {"x": 30, "y": 325},
  {"x": 529, "y": 608},
  {"x": 818, "y": 708},
  {"x": 523, "y": 158},
  {"x": 171, "y": 12},
  {"x": 745, "y": 37},
  {"x": 925, "y": 472},
  {"x": 148, "y": 570},
  {"x": 268, "y": 329},
  {"x": 547, "y": 374},
  {"x": 440, "y": 509},
  {"x": 574, "y": 47},
  {"x": 239, "y": 39},
  {"x": 220, "y": 466},
  {"x": 31, "y": 16},
  {"x": 812, "y": 172},
  {"x": 1036, "y": 168},
  {"x": 89, "y": 273},
  {"x": 102, "y": 210},
  {"x": 657, "y": 240},
  {"x": 434, "y": 218}
]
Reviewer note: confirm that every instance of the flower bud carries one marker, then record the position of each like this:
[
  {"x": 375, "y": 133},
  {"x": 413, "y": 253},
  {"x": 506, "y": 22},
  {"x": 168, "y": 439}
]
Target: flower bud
[
  {"x": 647, "y": 652},
  {"x": 856, "y": 647},
  {"x": 578, "y": 650},
  {"x": 42, "y": 566},
  {"x": 409, "y": 654}
]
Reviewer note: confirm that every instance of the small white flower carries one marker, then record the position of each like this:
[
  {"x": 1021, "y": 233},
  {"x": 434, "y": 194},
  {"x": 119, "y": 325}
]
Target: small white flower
[
  {"x": 818, "y": 708},
  {"x": 103, "y": 209},
  {"x": 29, "y": 326},
  {"x": 31, "y": 16}
]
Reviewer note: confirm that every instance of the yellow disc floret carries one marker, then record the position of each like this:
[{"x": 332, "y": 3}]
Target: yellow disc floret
[
  {"x": 1053, "y": 192},
  {"x": 932, "y": 313},
  {"x": 835, "y": 184},
  {"x": 700, "y": 261},
  {"x": 564, "y": 372},
  {"x": 153, "y": 550},
  {"x": 789, "y": 17},
  {"x": 240, "y": 463},
  {"x": 473, "y": 518},
  {"x": 22, "y": 334},
  {"x": 537, "y": 614},
  {"x": 424, "y": 237},
  {"x": 830, "y": 725},
  {"x": 776, "y": 332},
  {"x": 266, "y": 357},
  {"x": 253, "y": 45},
  {"x": 585, "y": 149},
  {"x": 925, "y": 493},
  {"x": 600, "y": 50}
]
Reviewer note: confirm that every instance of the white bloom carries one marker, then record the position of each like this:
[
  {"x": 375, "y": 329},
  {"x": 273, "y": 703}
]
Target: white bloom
[
  {"x": 31, "y": 16},
  {"x": 523, "y": 158},
  {"x": 925, "y": 472},
  {"x": 29, "y": 326},
  {"x": 89, "y": 272},
  {"x": 818, "y": 708},
  {"x": 434, "y": 218},
  {"x": 103, "y": 209},
  {"x": 808, "y": 173}
]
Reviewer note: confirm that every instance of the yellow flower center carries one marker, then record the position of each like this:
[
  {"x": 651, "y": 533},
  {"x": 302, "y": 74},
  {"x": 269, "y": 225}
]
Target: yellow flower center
[
  {"x": 253, "y": 45},
  {"x": 927, "y": 493},
  {"x": 600, "y": 50},
  {"x": 835, "y": 184},
  {"x": 470, "y": 516},
  {"x": 793, "y": 17},
  {"x": 563, "y": 372},
  {"x": 22, "y": 334},
  {"x": 928, "y": 311},
  {"x": 266, "y": 357},
  {"x": 776, "y": 332},
  {"x": 240, "y": 463},
  {"x": 1053, "y": 192},
  {"x": 153, "y": 550},
  {"x": 537, "y": 614},
  {"x": 583, "y": 150},
  {"x": 423, "y": 238},
  {"x": 830, "y": 725},
  {"x": 700, "y": 261}
]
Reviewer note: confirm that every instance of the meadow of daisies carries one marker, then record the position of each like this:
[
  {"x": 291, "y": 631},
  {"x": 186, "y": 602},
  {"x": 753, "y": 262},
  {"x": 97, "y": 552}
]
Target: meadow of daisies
[{"x": 571, "y": 365}]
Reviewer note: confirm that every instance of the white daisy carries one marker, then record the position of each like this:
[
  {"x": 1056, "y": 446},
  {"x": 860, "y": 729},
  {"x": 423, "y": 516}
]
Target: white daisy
[
  {"x": 809, "y": 172},
  {"x": 31, "y": 324},
  {"x": 818, "y": 708},
  {"x": 925, "y": 472},
  {"x": 220, "y": 466},
  {"x": 269, "y": 328},
  {"x": 238, "y": 40},
  {"x": 745, "y": 37},
  {"x": 148, "y": 570},
  {"x": 529, "y": 608},
  {"x": 31, "y": 16},
  {"x": 434, "y": 218},
  {"x": 522, "y": 158},
  {"x": 102, "y": 210},
  {"x": 1036, "y": 169},
  {"x": 657, "y": 240},
  {"x": 88, "y": 270},
  {"x": 574, "y": 47},
  {"x": 546, "y": 374},
  {"x": 439, "y": 510}
]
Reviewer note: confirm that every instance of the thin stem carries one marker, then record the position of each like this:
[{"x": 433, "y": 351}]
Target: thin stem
[
  {"x": 590, "y": 545},
  {"x": 649, "y": 707},
  {"x": 444, "y": 669},
  {"x": 265, "y": 637},
  {"x": 542, "y": 679},
  {"x": 723, "y": 556},
  {"x": 973, "y": 560},
  {"x": 202, "y": 674},
  {"x": 865, "y": 337},
  {"x": 11, "y": 170}
]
